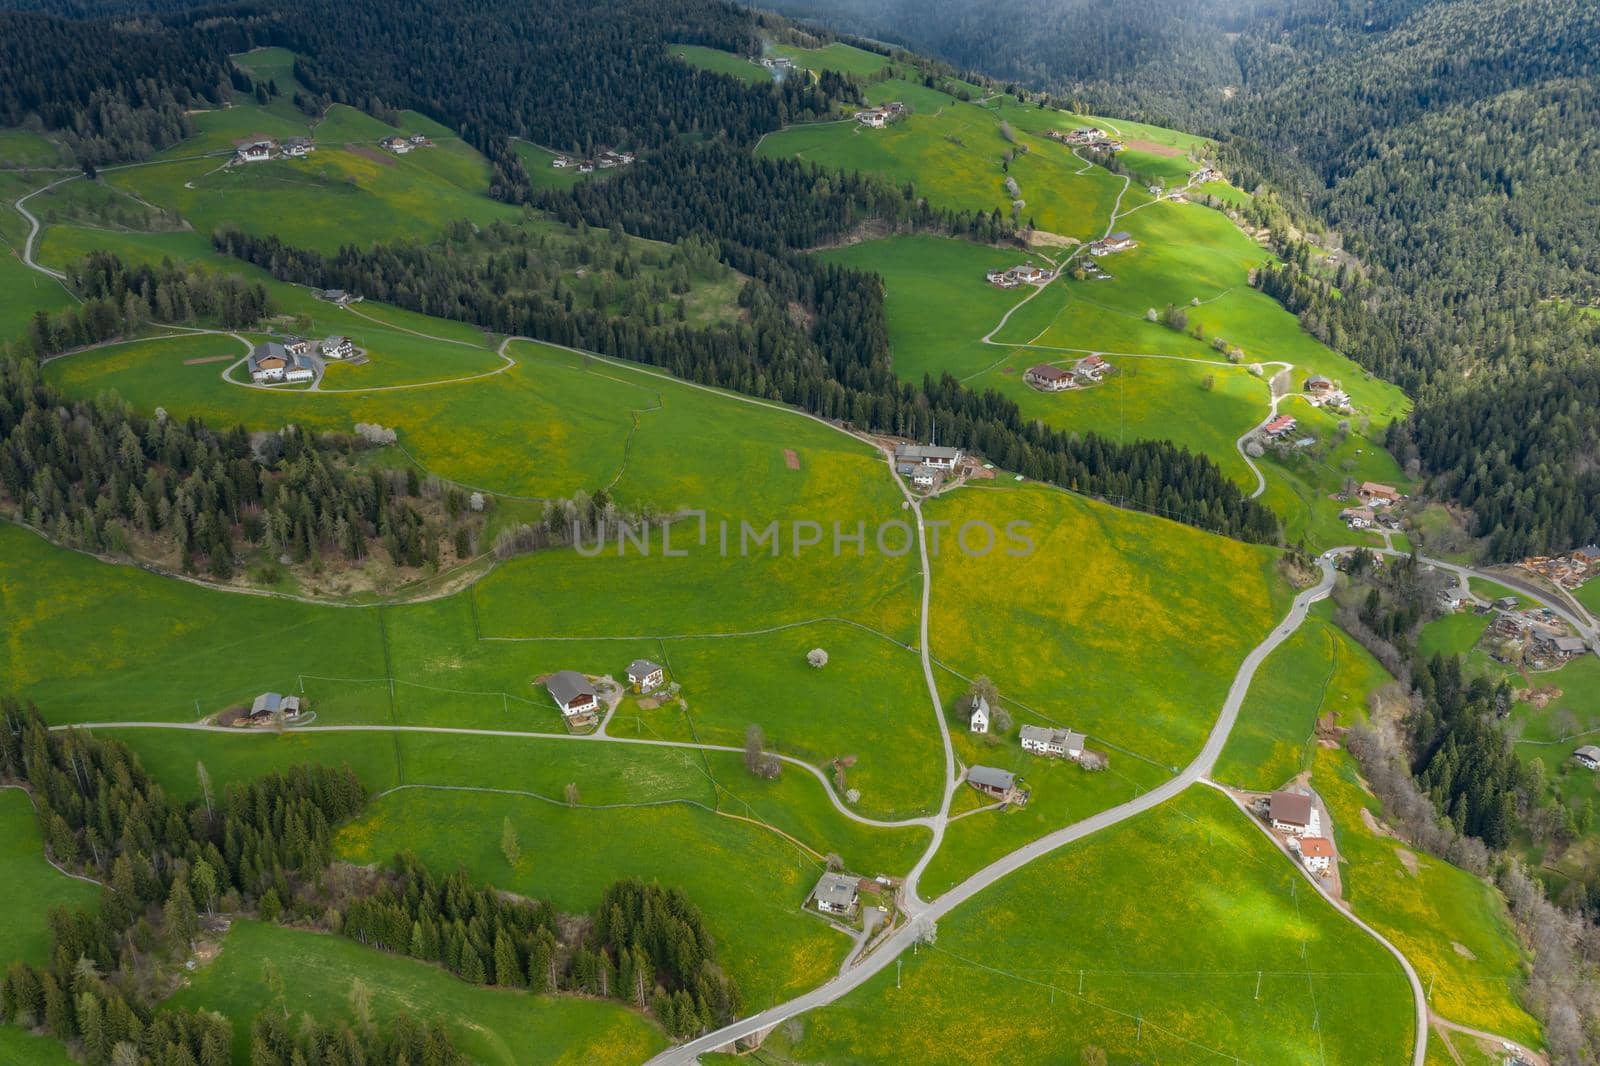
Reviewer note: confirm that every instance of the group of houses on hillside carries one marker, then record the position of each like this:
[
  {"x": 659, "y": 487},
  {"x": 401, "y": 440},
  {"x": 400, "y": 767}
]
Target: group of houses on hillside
[
  {"x": 605, "y": 160},
  {"x": 260, "y": 150},
  {"x": 1087, "y": 137},
  {"x": 1047, "y": 377},
  {"x": 1025, "y": 274},
  {"x": 290, "y": 360},
  {"x": 1119, "y": 241},
  {"x": 402, "y": 145},
  {"x": 1373, "y": 510},
  {"x": 925, "y": 465},
  {"x": 878, "y": 117}
]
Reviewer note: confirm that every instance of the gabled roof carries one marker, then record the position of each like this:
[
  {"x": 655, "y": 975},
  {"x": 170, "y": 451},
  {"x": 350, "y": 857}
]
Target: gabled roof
[
  {"x": 640, "y": 668},
  {"x": 992, "y": 777},
  {"x": 838, "y": 890},
  {"x": 1316, "y": 847},
  {"x": 568, "y": 685},
  {"x": 1588, "y": 751},
  {"x": 979, "y": 706},
  {"x": 269, "y": 702},
  {"x": 1048, "y": 372},
  {"x": 1291, "y": 808},
  {"x": 926, "y": 451},
  {"x": 1121, "y": 235},
  {"x": 1065, "y": 738}
]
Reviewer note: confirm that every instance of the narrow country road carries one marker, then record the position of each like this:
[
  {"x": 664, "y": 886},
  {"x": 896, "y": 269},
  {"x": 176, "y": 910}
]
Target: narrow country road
[
  {"x": 908, "y": 934},
  {"x": 589, "y": 738}
]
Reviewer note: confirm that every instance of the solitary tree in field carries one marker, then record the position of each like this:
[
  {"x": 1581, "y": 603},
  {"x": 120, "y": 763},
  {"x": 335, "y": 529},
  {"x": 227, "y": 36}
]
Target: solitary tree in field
[
  {"x": 508, "y": 843},
  {"x": 817, "y": 657},
  {"x": 572, "y": 794}
]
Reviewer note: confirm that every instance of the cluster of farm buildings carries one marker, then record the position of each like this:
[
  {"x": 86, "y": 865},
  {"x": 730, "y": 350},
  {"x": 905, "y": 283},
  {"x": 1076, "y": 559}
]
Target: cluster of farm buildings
[
  {"x": 1534, "y": 637},
  {"x": 578, "y": 699},
  {"x": 1119, "y": 241},
  {"x": 1088, "y": 137},
  {"x": 1047, "y": 377},
  {"x": 1025, "y": 274},
  {"x": 402, "y": 145},
  {"x": 605, "y": 160},
  {"x": 926, "y": 465},
  {"x": 1374, "y": 510},
  {"x": 878, "y": 117},
  {"x": 263, "y": 149},
  {"x": 291, "y": 359},
  {"x": 1297, "y": 821}
]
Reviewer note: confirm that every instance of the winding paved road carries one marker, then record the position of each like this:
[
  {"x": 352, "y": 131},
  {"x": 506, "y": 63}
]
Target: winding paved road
[{"x": 908, "y": 934}]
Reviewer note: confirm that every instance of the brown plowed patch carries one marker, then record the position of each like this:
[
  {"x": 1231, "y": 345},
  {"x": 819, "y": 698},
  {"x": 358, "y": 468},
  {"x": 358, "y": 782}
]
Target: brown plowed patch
[{"x": 790, "y": 459}]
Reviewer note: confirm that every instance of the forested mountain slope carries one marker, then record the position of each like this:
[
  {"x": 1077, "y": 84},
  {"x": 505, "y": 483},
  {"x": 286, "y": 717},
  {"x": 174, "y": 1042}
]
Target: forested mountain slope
[{"x": 1452, "y": 145}]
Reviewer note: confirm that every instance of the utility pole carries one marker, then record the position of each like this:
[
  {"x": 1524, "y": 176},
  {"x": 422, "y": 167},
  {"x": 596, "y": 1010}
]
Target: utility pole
[
  {"x": 897, "y": 973},
  {"x": 1258, "y": 986}
]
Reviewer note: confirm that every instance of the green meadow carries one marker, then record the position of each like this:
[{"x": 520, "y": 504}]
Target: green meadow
[
  {"x": 33, "y": 886},
  {"x": 488, "y": 1025},
  {"x": 1452, "y": 926},
  {"x": 1112, "y": 942},
  {"x": 719, "y": 62},
  {"x": 844, "y": 58},
  {"x": 1123, "y": 626},
  {"x": 868, "y": 707},
  {"x": 673, "y": 815},
  {"x": 19, "y": 1046},
  {"x": 953, "y": 151},
  {"x": 1318, "y": 671},
  {"x": 24, "y": 148}
]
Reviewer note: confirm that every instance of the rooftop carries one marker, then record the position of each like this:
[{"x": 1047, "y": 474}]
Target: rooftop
[
  {"x": 992, "y": 777},
  {"x": 1316, "y": 847},
  {"x": 568, "y": 685},
  {"x": 1290, "y": 808}
]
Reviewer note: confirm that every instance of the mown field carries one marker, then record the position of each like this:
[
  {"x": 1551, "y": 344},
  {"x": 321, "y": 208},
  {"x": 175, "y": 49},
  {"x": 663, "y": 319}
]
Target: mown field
[
  {"x": 497, "y": 1027},
  {"x": 31, "y": 884},
  {"x": 1115, "y": 943}
]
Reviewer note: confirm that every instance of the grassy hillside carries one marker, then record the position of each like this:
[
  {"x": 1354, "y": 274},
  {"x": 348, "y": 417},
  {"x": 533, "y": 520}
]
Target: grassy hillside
[
  {"x": 1068, "y": 634},
  {"x": 719, "y": 62},
  {"x": 1115, "y": 942},
  {"x": 31, "y": 884},
  {"x": 663, "y": 814},
  {"x": 1317, "y": 672},
  {"x": 497, "y": 1027}
]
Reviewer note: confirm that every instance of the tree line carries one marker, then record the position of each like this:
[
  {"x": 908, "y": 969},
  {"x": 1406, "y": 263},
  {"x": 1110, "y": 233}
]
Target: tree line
[
  {"x": 98, "y": 476},
  {"x": 647, "y": 946},
  {"x": 264, "y": 847},
  {"x": 118, "y": 299},
  {"x": 163, "y": 866}
]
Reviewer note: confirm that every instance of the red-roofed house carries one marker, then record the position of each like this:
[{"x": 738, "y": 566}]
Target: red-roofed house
[{"x": 1279, "y": 426}]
